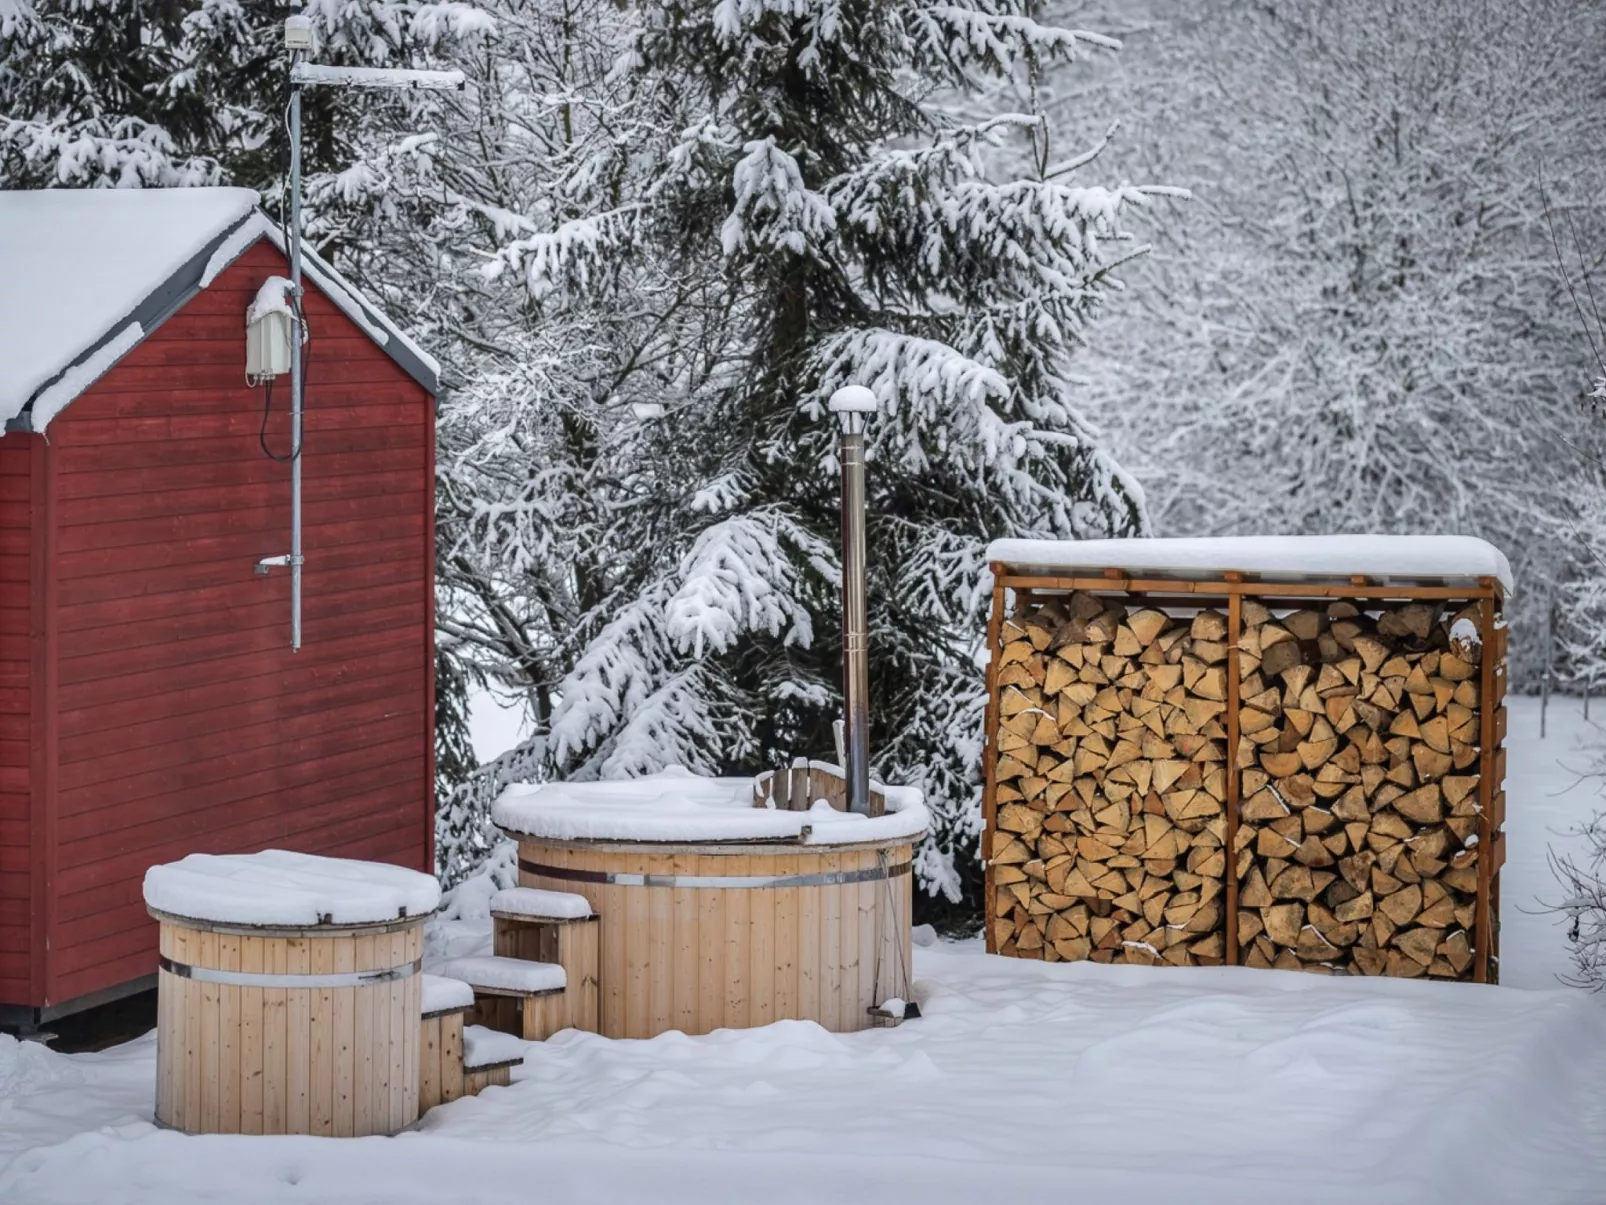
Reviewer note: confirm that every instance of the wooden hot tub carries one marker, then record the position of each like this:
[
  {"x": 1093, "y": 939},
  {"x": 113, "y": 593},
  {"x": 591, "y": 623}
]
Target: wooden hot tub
[
  {"x": 719, "y": 914},
  {"x": 289, "y": 994}
]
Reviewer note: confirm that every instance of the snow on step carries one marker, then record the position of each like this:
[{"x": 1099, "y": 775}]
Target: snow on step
[
  {"x": 443, "y": 995},
  {"x": 538, "y": 904},
  {"x": 677, "y": 805},
  {"x": 279, "y": 888},
  {"x": 498, "y": 974},
  {"x": 1453, "y": 558},
  {"x": 484, "y": 1047}
]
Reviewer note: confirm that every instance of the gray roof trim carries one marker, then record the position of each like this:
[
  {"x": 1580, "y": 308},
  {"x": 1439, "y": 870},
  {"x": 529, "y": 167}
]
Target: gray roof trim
[
  {"x": 323, "y": 274},
  {"x": 174, "y": 293}
]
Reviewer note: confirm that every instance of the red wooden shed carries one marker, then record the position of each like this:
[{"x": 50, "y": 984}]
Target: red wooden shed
[{"x": 150, "y": 704}]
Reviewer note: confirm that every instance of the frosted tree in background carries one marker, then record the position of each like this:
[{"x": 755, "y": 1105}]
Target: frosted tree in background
[
  {"x": 828, "y": 224},
  {"x": 1357, "y": 326}
]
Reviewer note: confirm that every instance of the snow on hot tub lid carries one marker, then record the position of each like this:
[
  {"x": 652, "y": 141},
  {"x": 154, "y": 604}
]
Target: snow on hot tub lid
[
  {"x": 677, "y": 806},
  {"x": 278, "y": 888},
  {"x": 1287, "y": 558}
]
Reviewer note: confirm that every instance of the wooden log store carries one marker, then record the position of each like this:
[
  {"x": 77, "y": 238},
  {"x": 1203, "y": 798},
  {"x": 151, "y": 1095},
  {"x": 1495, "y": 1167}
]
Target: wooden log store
[{"x": 1276, "y": 752}]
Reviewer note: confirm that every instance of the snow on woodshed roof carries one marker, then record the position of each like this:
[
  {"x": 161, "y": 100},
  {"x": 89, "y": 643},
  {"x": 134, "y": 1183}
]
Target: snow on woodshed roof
[
  {"x": 85, "y": 274},
  {"x": 1454, "y": 559}
]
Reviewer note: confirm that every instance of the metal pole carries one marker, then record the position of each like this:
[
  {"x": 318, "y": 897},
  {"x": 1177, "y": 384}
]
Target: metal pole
[
  {"x": 851, "y": 405},
  {"x": 1550, "y": 659},
  {"x": 296, "y": 336}
]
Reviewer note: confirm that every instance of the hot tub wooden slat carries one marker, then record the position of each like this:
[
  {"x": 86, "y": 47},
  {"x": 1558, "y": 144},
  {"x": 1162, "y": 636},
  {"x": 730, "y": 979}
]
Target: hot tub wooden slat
[
  {"x": 229, "y": 1017},
  {"x": 636, "y": 1001},
  {"x": 209, "y": 1037},
  {"x": 297, "y": 1042},
  {"x": 164, "y": 1033},
  {"x": 362, "y": 1069},
  {"x": 342, "y": 1041},
  {"x": 379, "y": 1091},
  {"x": 275, "y": 1042},
  {"x": 403, "y": 1047},
  {"x": 808, "y": 954},
  {"x": 761, "y": 954},
  {"x": 831, "y": 957},
  {"x": 738, "y": 951},
  {"x": 660, "y": 932},
  {"x": 251, "y": 1017},
  {"x": 710, "y": 911},
  {"x": 683, "y": 921},
  {"x": 190, "y": 1098},
  {"x": 785, "y": 961},
  {"x": 320, "y": 1050}
]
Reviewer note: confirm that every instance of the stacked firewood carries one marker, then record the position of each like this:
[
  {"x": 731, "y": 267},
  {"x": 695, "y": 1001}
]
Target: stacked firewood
[
  {"x": 1110, "y": 784},
  {"x": 1358, "y": 748}
]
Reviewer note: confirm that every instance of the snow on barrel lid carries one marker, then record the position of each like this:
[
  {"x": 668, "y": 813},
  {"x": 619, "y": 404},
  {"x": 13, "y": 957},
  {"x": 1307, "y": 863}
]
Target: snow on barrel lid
[
  {"x": 284, "y": 889},
  {"x": 675, "y": 805},
  {"x": 1286, "y": 558}
]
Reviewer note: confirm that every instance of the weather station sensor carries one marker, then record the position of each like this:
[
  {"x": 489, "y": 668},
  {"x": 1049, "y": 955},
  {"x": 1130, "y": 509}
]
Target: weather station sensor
[{"x": 299, "y": 34}]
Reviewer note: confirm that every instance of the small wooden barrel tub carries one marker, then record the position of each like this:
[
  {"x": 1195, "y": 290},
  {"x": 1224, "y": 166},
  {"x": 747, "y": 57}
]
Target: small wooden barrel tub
[
  {"x": 289, "y": 993},
  {"x": 719, "y": 914}
]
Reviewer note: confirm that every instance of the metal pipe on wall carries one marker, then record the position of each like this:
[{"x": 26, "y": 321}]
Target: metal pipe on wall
[
  {"x": 297, "y": 334},
  {"x": 852, "y": 404}
]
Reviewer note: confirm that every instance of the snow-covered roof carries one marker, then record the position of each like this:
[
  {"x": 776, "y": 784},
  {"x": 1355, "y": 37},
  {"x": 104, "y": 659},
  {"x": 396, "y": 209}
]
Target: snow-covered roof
[
  {"x": 85, "y": 274},
  {"x": 678, "y": 806},
  {"x": 1446, "y": 559},
  {"x": 278, "y": 888}
]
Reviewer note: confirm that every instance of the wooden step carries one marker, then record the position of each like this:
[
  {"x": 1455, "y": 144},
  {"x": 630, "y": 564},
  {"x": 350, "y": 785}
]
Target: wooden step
[
  {"x": 574, "y": 943},
  {"x": 515, "y": 995},
  {"x": 533, "y": 905}
]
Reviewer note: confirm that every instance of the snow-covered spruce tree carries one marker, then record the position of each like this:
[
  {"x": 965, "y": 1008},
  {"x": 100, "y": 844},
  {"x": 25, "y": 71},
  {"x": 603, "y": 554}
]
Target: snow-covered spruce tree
[
  {"x": 837, "y": 227},
  {"x": 170, "y": 93},
  {"x": 87, "y": 97}
]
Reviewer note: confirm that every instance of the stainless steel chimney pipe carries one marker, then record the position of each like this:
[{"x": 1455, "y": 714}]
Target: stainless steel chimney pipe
[{"x": 852, "y": 405}]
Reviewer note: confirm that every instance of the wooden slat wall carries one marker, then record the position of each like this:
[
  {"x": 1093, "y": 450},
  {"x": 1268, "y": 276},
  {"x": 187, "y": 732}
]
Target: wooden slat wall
[
  {"x": 15, "y": 686},
  {"x": 184, "y": 721}
]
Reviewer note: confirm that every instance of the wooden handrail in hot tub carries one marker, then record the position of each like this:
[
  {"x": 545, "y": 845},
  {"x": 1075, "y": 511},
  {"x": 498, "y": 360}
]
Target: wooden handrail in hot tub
[{"x": 796, "y": 789}]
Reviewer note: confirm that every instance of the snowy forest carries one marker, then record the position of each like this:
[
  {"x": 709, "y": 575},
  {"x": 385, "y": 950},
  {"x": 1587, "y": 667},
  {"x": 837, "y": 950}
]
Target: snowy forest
[{"x": 1148, "y": 267}]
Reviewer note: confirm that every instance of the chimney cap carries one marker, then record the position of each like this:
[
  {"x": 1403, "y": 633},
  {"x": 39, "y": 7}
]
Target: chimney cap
[{"x": 852, "y": 399}]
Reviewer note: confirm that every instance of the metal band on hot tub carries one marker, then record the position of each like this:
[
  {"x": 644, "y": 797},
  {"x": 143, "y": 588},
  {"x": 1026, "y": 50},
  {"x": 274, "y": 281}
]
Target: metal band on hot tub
[
  {"x": 270, "y": 980},
  {"x": 622, "y": 879}
]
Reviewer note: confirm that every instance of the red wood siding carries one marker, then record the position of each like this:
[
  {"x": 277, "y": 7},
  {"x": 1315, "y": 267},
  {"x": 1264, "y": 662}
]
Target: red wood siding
[
  {"x": 16, "y": 886},
  {"x": 184, "y": 722}
]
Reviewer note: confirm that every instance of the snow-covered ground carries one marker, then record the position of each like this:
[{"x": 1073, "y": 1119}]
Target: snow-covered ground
[{"x": 1023, "y": 1081}]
